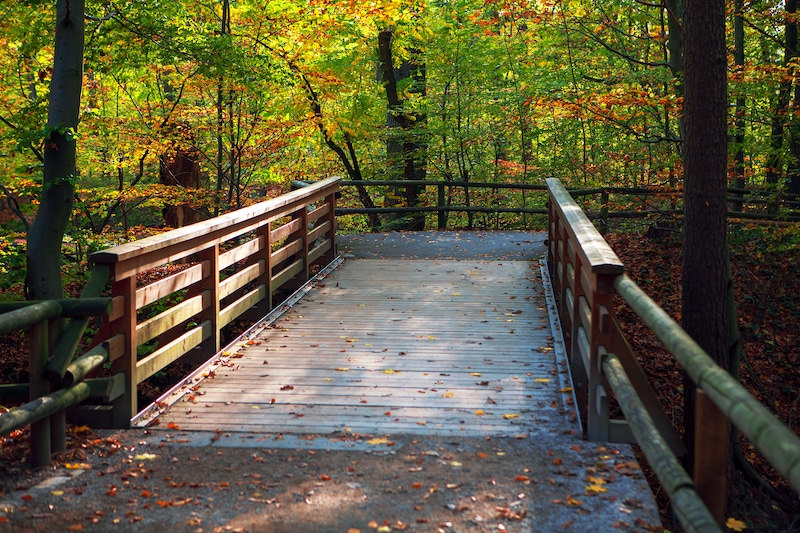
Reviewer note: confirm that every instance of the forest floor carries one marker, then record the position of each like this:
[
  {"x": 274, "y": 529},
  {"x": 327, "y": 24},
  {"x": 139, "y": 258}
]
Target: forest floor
[{"x": 767, "y": 281}]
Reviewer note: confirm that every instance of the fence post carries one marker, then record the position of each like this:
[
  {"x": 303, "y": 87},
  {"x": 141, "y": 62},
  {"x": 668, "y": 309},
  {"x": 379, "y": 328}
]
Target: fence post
[
  {"x": 604, "y": 212},
  {"x": 210, "y": 261},
  {"x": 440, "y": 201},
  {"x": 597, "y": 424},
  {"x": 39, "y": 386},
  {"x": 711, "y": 441},
  {"x": 331, "y": 217},
  {"x": 124, "y": 407}
]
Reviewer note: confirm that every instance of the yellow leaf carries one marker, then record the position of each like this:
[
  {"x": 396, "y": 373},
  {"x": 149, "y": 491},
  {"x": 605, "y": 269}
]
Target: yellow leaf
[
  {"x": 342, "y": 369},
  {"x": 145, "y": 457},
  {"x": 378, "y": 440},
  {"x": 391, "y": 371},
  {"x": 57, "y": 493},
  {"x": 565, "y": 389},
  {"x": 448, "y": 394},
  {"x": 480, "y": 412},
  {"x": 328, "y": 379},
  {"x": 384, "y": 529},
  {"x": 596, "y": 488},
  {"x": 455, "y": 464},
  {"x": 509, "y": 416},
  {"x": 431, "y": 338},
  {"x": 78, "y": 466},
  {"x": 541, "y": 380},
  {"x": 475, "y": 374},
  {"x": 735, "y": 525}
]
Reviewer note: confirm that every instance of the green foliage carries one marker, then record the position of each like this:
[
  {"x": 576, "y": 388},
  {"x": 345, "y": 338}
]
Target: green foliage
[{"x": 12, "y": 259}]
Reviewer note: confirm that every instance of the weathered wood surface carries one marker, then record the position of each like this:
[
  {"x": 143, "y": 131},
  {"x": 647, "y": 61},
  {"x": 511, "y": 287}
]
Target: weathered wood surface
[{"x": 393, "y": 346}]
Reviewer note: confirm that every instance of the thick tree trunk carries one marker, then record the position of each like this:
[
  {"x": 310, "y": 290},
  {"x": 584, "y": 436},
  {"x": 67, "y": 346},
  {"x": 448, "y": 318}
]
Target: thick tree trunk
[
  {"x": 705, "y": 248},
  {"x": 58, "y": 187}
]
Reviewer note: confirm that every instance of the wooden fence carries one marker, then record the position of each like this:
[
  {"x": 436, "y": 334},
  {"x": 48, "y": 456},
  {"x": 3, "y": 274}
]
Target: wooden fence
[
  {"x": 56, "y": 381},
  {"x": 644, "y": 202},
  {"x": 226, "y": 267},
  {"x": 586, "y": 274}
]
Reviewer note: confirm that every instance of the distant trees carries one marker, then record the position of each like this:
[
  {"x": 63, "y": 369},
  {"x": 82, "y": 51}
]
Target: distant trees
[{"x": 256, "y": 92}]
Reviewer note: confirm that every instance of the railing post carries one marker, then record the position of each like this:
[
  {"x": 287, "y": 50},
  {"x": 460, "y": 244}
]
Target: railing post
[
  {"x": 209, "y": 259},
  {"x": 330, "y": 255},
  {"x": 597, "y": 424},
  {"x": 304, "y": 231},
  {"x": 440, "y": 201},
  {"x": 39, "y": 386},
  {"x": 124, "y": 407},
  {"x": 265, "y": 254},
  {"x": 711, "y": 441}
]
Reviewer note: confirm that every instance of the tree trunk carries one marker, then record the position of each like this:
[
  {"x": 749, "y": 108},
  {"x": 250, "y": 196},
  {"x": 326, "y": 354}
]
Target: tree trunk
[
  {"x": 58, "y": 187},
  {"x": 180, "y": 169},
  {"x": 775, "y": 160},
  {"x": 740, "y": 109},
  {"x": 705, "y": 247},
  {"x": 403, "y": 151}
]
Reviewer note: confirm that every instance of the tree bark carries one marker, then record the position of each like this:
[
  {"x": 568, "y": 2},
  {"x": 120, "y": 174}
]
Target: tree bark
[
  {"x": 705, "y": 247},
  {"x": 58, "y": 185}
]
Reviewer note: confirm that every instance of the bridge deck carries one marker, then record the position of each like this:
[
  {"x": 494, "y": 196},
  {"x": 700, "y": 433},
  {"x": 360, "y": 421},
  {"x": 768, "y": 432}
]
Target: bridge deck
[{"x": 442, "y": 347}]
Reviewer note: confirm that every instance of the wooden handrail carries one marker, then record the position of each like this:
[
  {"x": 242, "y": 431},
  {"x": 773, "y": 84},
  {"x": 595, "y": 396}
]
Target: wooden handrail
[
  {"x": 233, "y": 264},
  {"x": 586, "y": 274}
]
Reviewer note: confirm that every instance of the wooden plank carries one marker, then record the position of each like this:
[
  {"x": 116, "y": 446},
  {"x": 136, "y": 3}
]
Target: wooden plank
[
  {"x": 172, "y": 351},
  {"x": 162, "y": 322},
  {"x": 431, "y": 342},
  {"x": 166, "y": 286},
  {"x": 241, "y": 252},
  {"x": 248, "y": 300},
  {"x": 241, "y": 278}
]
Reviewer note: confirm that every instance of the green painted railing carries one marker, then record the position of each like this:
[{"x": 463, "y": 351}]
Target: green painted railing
[{"x": 586, "y": 275}]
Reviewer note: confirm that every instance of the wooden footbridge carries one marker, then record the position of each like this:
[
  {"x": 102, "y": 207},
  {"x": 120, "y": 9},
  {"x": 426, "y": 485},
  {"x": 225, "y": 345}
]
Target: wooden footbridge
[{"x": 438, "y": 344}]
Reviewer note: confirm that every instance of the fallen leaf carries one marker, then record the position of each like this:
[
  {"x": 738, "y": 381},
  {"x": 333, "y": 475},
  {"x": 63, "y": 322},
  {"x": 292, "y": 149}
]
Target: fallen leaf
[
  {"x": 78, "y": 466},
  {"x": 735, "y": 525},
  {"x": 482, "y": 455},
  {"x": 391, "y": 371},
  {"x": 541, "y": 380},
  {"x": 173, "y": 425},
  {"x": 480, "y": 412},
  {"x": 448, "y": 394},
  {"x": 509, "y": 416},
  {"x": 76, "y": 527},
  {"x": 341, "y": 369},
  {"x": 145, "y": 457}
]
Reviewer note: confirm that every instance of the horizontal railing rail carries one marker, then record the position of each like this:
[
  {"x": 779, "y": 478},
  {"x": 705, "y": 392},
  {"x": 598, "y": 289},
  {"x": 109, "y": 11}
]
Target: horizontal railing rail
[
  {"x": 759, "y": 204},
  {"x": 223, "y": 268},
  {"x": 586, "y": 275}
]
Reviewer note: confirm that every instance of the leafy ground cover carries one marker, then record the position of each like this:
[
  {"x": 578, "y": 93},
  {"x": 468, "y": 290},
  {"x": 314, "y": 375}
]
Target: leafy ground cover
[{"x": 766, "y": 273}]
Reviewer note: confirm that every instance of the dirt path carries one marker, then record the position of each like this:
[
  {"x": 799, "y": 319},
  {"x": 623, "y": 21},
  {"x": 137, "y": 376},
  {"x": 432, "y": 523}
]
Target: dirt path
[{"x": 161, "y": 481}]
